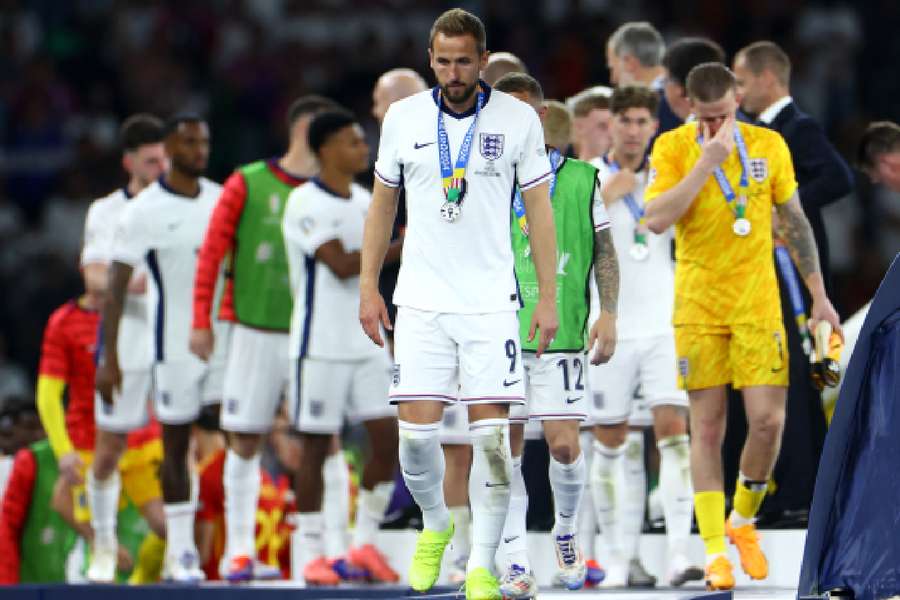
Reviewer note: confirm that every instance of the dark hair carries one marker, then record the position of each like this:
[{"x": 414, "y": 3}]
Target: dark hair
[
  {"x": 520, "y": 82},
  {"x": 139, "y": 130},
  {"x": 760, "y": 56},
  {"x": 687, "y": 53},
  {"x": 175, "y": 121},
  {"x": 880, "y": 137},
  {"x": 709, "y": 82},
  {"x": 457, "y": 21},
  {"x": 634, "y": 96},
  {"x": 307, "y": 105},
  {"x": 327, "y": 123}
]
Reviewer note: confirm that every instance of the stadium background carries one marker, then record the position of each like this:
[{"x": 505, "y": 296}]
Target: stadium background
[{"x": 69, "y": 72}]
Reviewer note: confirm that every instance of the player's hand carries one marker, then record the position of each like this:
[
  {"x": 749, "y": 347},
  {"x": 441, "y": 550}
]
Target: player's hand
[
  {"x": 124, "y": 562},
  {"x": 373, "y": 313},
  {"x": 622, "y": 183},
  {"x": 202, "y": 343},
  {"x": 822, "y": 310},
  {"x": 71, "y": 467},
  {"x": 544, "y": 321},
  {"x": 718, "y": 147},
  {"x": 603, "y": 334},
  {"x": 107, "y": 378}
]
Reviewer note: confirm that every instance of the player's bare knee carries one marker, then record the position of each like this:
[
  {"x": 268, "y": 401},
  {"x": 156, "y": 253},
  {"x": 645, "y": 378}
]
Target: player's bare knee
[
  {"x": 708, "y": 433},
  {"x": 767, "y": 427},
  {"x": 565, "y": 452},
  {"x": 611, "y": 436}
]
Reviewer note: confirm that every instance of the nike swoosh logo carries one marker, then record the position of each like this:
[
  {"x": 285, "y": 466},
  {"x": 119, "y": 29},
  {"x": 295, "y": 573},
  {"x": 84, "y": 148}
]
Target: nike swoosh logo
[
  {"x": 509, "y": 383},
  {"x": 408, "y": 474},
  {"x": 565, "y": 516},
  {"x": 573, "y": 400},
  {"x": 510, "y": 539},
  {"x": 489, "y": 484},
  {"x": 417, "y": 145}
]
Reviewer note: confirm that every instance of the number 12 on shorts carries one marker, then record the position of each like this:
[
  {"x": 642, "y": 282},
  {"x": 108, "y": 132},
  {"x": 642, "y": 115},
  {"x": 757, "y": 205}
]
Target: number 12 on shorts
[{"x": 578, "y": 367}]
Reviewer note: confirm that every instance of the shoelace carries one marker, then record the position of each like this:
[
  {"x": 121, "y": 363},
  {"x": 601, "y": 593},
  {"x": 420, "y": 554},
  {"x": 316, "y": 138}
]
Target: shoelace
[
  {"x": 566, "y": 546},
  {"x": 514, "y": 572}
]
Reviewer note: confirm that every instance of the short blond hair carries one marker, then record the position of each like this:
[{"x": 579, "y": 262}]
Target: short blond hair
[{"x": 557, "y": 124}]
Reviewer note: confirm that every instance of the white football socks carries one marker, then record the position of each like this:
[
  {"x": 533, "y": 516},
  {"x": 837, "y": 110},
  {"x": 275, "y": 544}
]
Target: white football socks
[
  {"x": 370, "y": 512},
  {"x": 605, "y": 473},
  {"x": 567, "y": 484},
  {"x": 461, "y": 544},
  {"x": 489, "y": 488},
  {"x": 676, "y": 491},
  {"x": 180, "y": 528},
  {"x": 634, "y": 497},
  {"x": 336, "y": 504},
  {"x": 310, "y": 526},
  {"x": 241, "y": 482},
  {"x": 103, "y": 500},
  {"x": 587, "y": 518},
  {"x": 514, "y": 547},
  {"x": 422, "y": 464}
]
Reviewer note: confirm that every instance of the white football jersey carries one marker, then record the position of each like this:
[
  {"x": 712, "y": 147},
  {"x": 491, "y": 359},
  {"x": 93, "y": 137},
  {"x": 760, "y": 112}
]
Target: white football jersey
[
  {"x": 465, "y": 266},
  {"x": 647, "y": 287},
  {"x": 325, "y": 318},
  {"x": 166, "y": 229},
  {"x": 99, "y": 231}
]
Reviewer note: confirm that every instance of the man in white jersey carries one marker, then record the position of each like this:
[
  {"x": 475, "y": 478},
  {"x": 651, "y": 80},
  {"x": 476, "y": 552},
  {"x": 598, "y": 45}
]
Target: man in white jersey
[
  {"x": 164, "y": 226},
  {"x": 555, "y": 383},
  {"x": 144, "y": 159},
  {"x": 395, "y": 85},
  {"x": 645, "y": 356},
  {"x": 336, "y": 373},
  {"x": 458, "y": 150}
]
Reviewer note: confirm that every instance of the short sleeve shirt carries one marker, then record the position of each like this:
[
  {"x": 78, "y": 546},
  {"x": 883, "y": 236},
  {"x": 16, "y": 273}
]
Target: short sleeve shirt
[
  {"x": 465, "y": 266},
  {"x": 722, "y": 278}
]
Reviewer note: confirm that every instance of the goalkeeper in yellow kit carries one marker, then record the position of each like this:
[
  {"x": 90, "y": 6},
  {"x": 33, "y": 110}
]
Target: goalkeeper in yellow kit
[{"x": 718, "y": 181}]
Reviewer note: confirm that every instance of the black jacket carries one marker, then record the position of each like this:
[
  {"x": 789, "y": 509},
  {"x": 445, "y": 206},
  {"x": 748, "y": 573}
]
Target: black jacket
[{"x": 823, "y": 176}]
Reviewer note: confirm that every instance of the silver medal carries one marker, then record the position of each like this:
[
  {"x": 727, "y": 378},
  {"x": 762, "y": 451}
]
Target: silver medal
[
  {"x": 639, "y": 252},
  {"x": 450, "y": 211},
  {"x": 741, "y": 227}
]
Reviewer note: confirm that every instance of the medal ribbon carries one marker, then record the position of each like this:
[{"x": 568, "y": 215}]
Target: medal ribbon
[
  {"x": 519, "y": 204},
  {"x": 634, "y": 207},
  {"x": 452, "y": 177},
  {"x": 789, "y": 273},
  {"x": 740, "y": 209}
]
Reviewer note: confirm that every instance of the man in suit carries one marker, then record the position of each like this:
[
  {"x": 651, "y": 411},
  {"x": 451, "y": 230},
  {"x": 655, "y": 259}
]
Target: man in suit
[
  {"x": 763, "y": 74},
  {"x": 678, "y": 60},
  {"x": 634, "y": 55}
]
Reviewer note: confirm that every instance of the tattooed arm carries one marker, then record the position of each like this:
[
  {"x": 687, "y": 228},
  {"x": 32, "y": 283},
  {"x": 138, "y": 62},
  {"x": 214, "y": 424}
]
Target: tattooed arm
[
  {"x": 794, "y": 229},
  {"x": 606, "y": 274}
]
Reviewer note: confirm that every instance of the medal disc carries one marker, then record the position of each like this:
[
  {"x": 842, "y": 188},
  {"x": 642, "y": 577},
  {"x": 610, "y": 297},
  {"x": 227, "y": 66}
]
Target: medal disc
[
  {"x": 639, "y": 251},
  {"x": 450, "y": 211},
  {"x": 741, "y": 227}
]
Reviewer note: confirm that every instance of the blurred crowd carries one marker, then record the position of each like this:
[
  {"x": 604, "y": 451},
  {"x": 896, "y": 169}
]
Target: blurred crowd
[{"x": 69, "y": 72}]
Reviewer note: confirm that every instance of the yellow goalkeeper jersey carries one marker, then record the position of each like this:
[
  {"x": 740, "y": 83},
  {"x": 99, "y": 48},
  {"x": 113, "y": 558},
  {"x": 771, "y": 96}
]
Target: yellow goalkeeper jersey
[{"x": 723, "y": 279}]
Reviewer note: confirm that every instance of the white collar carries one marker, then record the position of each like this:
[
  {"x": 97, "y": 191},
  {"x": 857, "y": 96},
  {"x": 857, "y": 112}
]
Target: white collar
[
  {"x": 658, "y": 84},
  {"x": 768, "y": 115}
]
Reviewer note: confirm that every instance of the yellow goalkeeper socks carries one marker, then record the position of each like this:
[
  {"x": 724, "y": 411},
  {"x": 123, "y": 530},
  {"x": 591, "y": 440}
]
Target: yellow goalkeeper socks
[
  {"x": 748, "y": 496},
  {"x": 710, "y": 510}
]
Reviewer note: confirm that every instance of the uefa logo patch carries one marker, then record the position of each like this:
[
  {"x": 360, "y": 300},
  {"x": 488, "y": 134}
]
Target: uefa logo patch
[{"x": 491, "y": 145}]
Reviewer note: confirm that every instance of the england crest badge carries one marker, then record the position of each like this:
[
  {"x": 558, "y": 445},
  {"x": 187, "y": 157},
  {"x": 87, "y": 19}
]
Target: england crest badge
[
  {"x": 759, "y": 169},
  {"x": 491, "y": 145}
]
